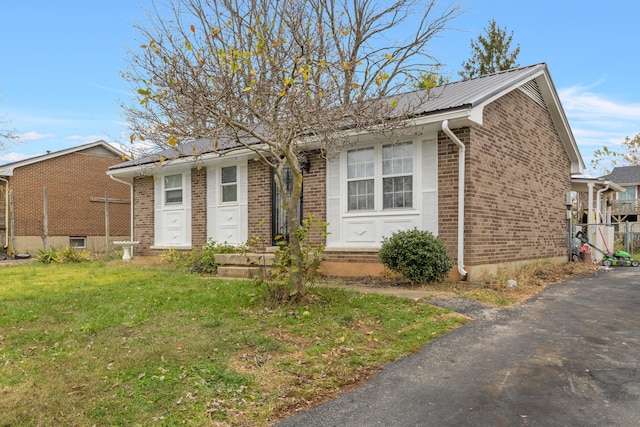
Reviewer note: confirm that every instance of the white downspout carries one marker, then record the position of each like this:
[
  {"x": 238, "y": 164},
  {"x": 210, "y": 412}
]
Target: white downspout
[
  {"x": 6, "y": 212},
  {"x": 461, "y": 167},
  {"x": 130, "y": 184}
]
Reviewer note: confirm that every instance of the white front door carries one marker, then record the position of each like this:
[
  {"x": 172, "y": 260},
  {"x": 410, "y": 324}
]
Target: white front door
[
  {"x": 227, "y": 208},
  {"x": 173, "y": 210}
]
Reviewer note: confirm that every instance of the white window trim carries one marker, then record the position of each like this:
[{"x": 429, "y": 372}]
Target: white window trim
[
  {"x": 221, "y": 185},
  {"x": 84, "y": 239},
  {"x": 378, "y": 209},
  {"x": 164, "y": 190}
]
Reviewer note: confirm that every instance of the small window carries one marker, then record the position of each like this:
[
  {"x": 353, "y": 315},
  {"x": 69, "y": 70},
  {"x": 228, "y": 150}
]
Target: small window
[
  {"x": 173, "y": 189},
  {"x": 229, "y": 184},
  {"x": 77, "y": 242}
]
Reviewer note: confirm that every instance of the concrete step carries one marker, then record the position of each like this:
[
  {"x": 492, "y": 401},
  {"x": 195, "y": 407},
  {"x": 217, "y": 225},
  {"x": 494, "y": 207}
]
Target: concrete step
[
  {"x": 249, "y": 259},
  {"x": 238, "y": 272}
]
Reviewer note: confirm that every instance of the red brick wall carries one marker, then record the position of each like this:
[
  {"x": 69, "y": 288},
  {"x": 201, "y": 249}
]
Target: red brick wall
[
  {"x": 143, "y": 228},
  {"x": 516, "y": 180},
  {"x": 198, "y": 207},
  {"x": 71, "y": 181},
  {"x": 448, "y": 188},
  {"x": 315, "y": 193},
  {"x": 259, "y": 203},
  {"x": 314, "y": 198}
]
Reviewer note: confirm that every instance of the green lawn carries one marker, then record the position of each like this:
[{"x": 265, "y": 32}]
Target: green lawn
[{"x": 111, "y": 344}]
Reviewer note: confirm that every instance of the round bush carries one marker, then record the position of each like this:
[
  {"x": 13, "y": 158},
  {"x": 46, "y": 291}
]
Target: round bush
[{"x": 418, "y": 255}]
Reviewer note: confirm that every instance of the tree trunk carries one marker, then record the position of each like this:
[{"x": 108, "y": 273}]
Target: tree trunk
[{"x": 291, "y": 205}]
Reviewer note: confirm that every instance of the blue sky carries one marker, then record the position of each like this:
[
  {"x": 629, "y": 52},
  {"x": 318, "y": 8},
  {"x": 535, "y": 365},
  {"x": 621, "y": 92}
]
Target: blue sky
[{"x": 60, "y": 83}]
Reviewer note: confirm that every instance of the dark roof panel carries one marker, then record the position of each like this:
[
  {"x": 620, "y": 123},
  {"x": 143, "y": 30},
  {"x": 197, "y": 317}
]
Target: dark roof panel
[{"x": 624, "y": 175}]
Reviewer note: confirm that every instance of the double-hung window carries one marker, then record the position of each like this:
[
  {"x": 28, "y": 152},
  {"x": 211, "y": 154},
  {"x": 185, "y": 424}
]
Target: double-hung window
[
  {"x": 361, "y": 179},
  {"x": 229, "y": 184},
  {"x": 397, "y": 175},
  {"x": 173, "y": 189},
  {"x": 384, "y": 172}
]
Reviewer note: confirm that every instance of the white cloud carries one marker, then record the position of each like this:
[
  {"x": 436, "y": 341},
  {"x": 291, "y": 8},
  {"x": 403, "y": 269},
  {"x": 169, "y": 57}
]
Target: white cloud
[
  {"x": 586, "y": 105},
  {"x": 34, "y": 136},
  {"x": 86, "y": 139},
  {"x": 13, "y": 157},
  {"x": 597, "y": 121}
]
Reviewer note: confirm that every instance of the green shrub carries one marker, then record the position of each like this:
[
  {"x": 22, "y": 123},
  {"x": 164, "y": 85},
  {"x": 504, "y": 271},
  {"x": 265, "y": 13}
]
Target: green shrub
[
  {"x": 47, "y": 256},
  {"x": 72, "y": 255},
  {"x": 418, "y": 255},
  {"x": 200, "y": 261},
  {"x": 63, "y": 256}
]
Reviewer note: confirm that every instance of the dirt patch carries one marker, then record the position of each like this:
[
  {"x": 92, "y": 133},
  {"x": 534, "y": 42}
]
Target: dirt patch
[
  {"x": 508, "y": 287},
  {"x": 8, "y": 262}
]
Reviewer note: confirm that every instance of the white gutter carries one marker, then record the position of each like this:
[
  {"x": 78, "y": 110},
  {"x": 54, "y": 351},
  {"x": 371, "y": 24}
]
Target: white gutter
[
  {"x": 130, "y": 184},
  {"x": 461, "y": 167},
  {"x": 6, "y": 213}
]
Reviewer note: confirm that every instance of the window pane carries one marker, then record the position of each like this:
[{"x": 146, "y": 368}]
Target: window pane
[
  {"x": 397, "y": 158},
  {"x": 229, "y": 175},
  {"x": 386, "y": 167},
  {"x": 230, "y": 193},
  {"x": 397, "y": 192},
  {"x": 173, "y": 181},
  {"x": 173, "y": 196},
  {"x": 387, "y": 186},
  {"x": 78, "y": 242},
  {"x": 360, "y": 163},
  {"x": 229, "y": 186},
  {"x": 360, "y": 195}
]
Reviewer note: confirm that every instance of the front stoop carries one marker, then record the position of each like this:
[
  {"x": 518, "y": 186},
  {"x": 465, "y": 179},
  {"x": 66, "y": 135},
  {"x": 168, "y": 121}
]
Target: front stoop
[{"x": 242, "y": 266}]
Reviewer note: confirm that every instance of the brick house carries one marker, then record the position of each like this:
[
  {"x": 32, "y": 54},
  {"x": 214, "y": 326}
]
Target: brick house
[
  {"x": 518, "y": 157},
  {"x": 76, "y": 185}
]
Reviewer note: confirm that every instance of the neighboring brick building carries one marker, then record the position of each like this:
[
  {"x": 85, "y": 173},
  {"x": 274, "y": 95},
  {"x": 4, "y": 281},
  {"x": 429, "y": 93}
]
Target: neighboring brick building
[
  {"x": 73, "y": 185},
  {"x": 519, "y": 158}
]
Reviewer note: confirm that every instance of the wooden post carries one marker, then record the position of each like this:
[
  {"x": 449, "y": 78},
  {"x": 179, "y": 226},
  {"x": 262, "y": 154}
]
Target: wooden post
[{"x": 45, "y": 219}]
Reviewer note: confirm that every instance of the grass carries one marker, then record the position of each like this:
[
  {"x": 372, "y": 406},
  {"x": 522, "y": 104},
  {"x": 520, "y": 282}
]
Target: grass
[{"x": 111, "y": 344}]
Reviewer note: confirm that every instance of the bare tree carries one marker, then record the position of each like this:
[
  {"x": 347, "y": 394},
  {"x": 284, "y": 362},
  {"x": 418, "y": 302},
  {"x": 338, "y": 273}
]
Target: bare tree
[
  {"x": 627, "y": 154},
  {"x": 274, "y": 76},
  {"x": 6, "y": 133}
]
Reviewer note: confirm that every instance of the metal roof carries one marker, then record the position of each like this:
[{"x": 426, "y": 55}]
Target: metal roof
[
  {"x": 451, "y": 97},
  {"x": 473, "y": 92}
]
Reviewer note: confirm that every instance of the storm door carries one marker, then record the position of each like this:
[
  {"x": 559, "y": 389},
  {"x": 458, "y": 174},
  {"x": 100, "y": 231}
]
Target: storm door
[{"x": 279, "y": 227}]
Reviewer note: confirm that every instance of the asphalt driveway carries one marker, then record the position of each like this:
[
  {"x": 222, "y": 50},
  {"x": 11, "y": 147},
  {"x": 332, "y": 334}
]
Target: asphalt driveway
[{"x": 568, "y": 357}]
